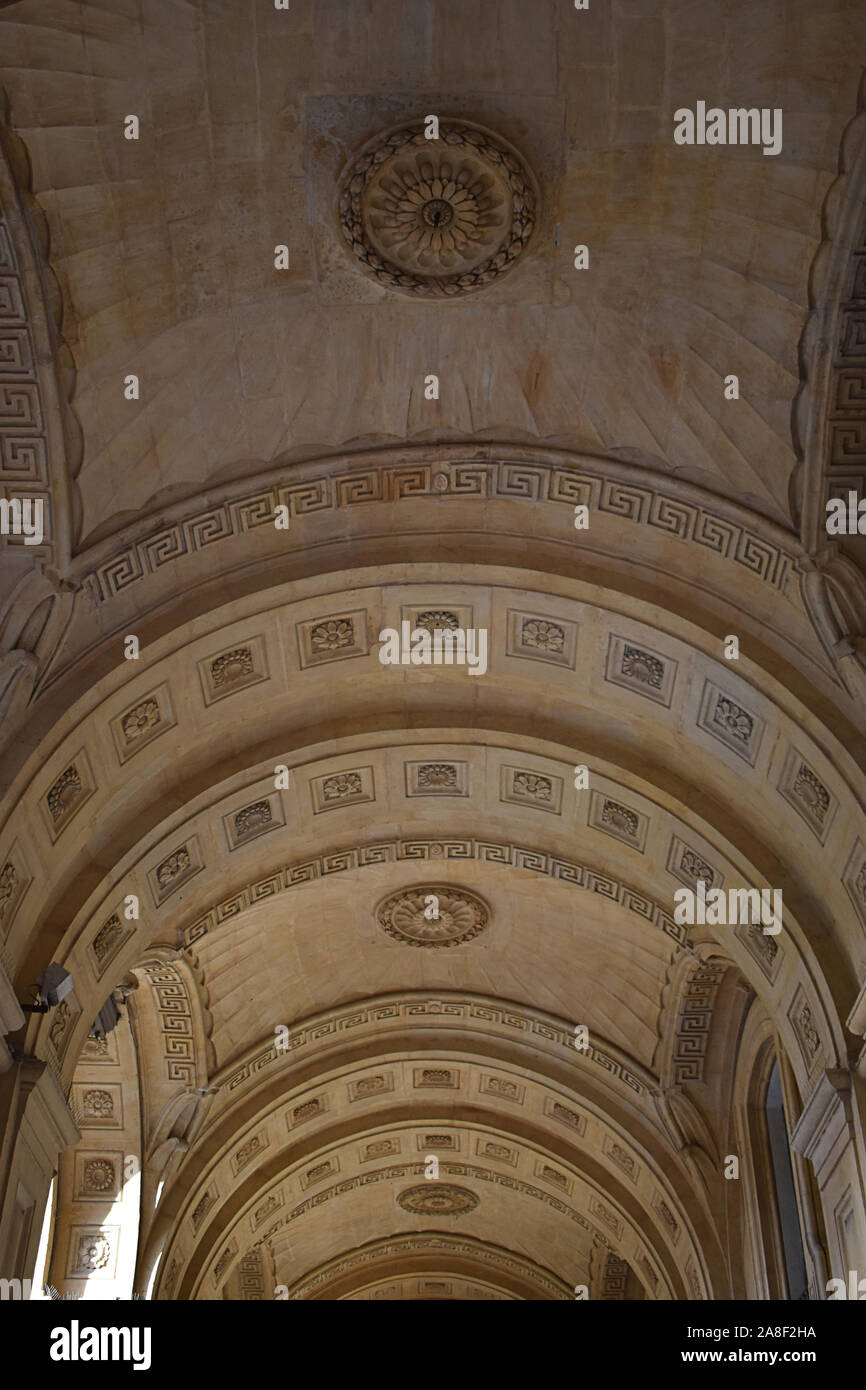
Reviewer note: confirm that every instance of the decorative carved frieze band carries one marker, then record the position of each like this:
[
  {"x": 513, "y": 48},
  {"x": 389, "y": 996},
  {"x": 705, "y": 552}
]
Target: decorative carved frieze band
[
  {"x": 175, "y": 1019},
  {"x": 433, "y": 1244},
  {"x": 24, "y": 463},
  {"x": 537, "y": 481},
  {"x": 438, "y": 850},
  {"x": 846, "y": 459},
  {"x": 418, "y": 1010},
  {"x": 693, "y": 1024}
]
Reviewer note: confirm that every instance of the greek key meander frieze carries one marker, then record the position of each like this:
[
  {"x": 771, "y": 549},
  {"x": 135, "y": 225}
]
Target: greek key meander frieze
[
  {"x": 252, "y": 1277},
  {"x": 846, "y": 459},
  {"x": 528, "y": 482},
  {"x": 434, "y": 1243},
  {"x": 23, "y": 446},
  {"x": 614, "y": 1278},
  {"x": 175, "y": 1019},
  {"x": 416, "y": 1010},
  {"x": 695, "y": 1019},
  {"x": 551, "y": 866}
]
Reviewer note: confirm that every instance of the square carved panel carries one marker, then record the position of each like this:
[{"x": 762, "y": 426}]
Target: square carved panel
[
  {"x": 801, "y": 1017},
  {"x": 437, "y": 616},
  {"x": 803, "y": 789},
  {"x": 114, "y": 932},
  {"x": 607, "y": 1218},
  {"x": 319, "y": 1172},
  {"x": 265, "y": 1210},
  {"x": 496, "y": 1151},
  {"x": 729, "y": 721},
  {"x": 619, "y": 1154},
  {"x": 854, "y": 879},
  {"x": 503, "y": 1088},
  {"x": 98, "y": 1105},
  {"x": 565, "y": 1115},
  {"x": 440, "y": 1078},
  {"x": 332, "y": 638},
  {"x": 204, "y": 1205},
  {"x": 435, "y": 1142},
  {"x": 635, "y": 666},
  {"x": 175, "y": 869},
  {"x": 66, "y": 794},
  {"x": 306, "y": 1110},
  {"x": 669, "y": 1222},
  {"x": 762, "y": 946},
  {"x": 366, "y": 1087},
  {"x": 143, "y": 721},
  {"x": 224, "y": 1263},
  {"x": 691, "y": 866},
  {"x": 258, "y": 816},
  {"x": 15, "y": 879},
  {"x": 234, "y": 668},
  {"x": 437, "y": 777},
  {"x": 611, "y": 815},
  {"x": 435, "y": 1289},
  {"x": 99, "y": 1052},
  {"x": 98, "y": 1176},
  {"x": 527, "y": 787},
  {"x": 338, "y": 789},
  {"x": 379, "y": 1148},
  {"x": 538, "y": 637},
  {"x": 92, "y": 1252},
  {"x": 553, "y": 1177},
  {"x": 249, "y": 1152}
]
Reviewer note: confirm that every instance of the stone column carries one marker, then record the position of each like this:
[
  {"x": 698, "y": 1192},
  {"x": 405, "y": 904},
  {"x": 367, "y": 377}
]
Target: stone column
[
  {"x": 36, "y": 1126},
  {"x": 11, "y": 1018},
  {"x": 826, "y": 1134},
  {"x": 251, "y": 1279}
]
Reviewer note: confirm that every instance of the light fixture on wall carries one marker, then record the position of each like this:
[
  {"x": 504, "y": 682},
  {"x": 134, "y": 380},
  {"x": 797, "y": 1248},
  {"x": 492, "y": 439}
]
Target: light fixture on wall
[
  {"x": 51, "y": 989},
  {"x": 109, "y": 1015},
  {"x": 106, "y": 1020}
]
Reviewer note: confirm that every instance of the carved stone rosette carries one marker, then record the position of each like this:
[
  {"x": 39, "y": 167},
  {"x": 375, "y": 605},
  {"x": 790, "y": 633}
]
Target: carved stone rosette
[
  {"x": 437, "y": 218},
  {"x": 452, "y": 918},
  {"x": 437, "y": 1199}
]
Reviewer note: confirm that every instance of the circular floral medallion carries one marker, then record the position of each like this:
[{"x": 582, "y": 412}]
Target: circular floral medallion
[
  {"x": 437, "y": 218},
  {"x": 437, "y": 1199},
  {"x": 433, "y": 915},
  {"x": 98, "y": 1175}
]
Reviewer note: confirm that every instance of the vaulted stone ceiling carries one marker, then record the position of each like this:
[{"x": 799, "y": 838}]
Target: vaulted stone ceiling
[
  {"x": 164, "y": 246},
  {"x": 261, "y": 902}
]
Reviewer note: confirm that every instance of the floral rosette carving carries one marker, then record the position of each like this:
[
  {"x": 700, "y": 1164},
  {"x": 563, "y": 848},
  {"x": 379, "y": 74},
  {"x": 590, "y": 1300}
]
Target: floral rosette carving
[
  {"x": 434, "y": 915},
  {"x": 437, "y": 218}
]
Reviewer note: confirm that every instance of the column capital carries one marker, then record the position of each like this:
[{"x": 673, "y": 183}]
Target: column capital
[{"x": 824, "y": 1128}]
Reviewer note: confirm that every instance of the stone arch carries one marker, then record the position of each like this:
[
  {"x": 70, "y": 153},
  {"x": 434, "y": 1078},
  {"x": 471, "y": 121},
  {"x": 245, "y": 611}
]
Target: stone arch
[{"x": 149, "y": 784}]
